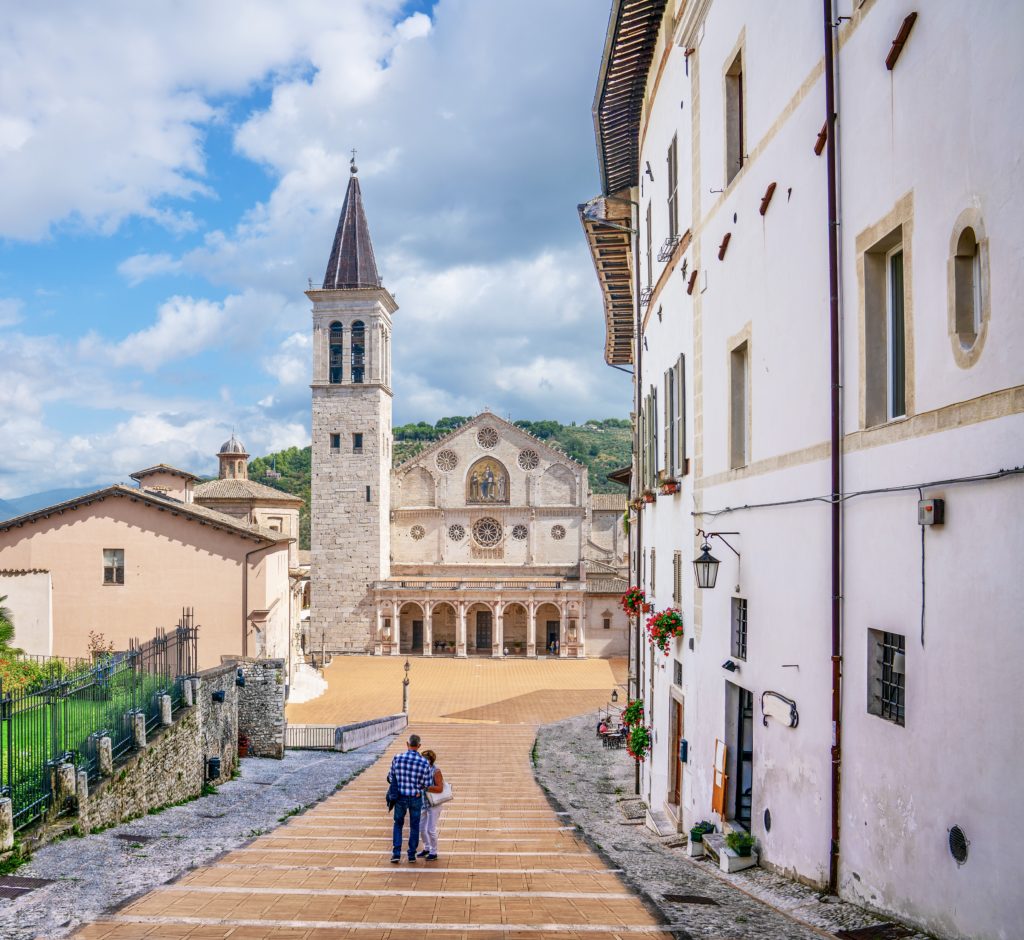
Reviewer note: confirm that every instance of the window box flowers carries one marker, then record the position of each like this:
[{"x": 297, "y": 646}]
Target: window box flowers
[
  {"x": 633, "y": 713},
  {"x": 638, "y": 743},
  {"x": 670, "y": 487},
  {"x": 663, "y": 627},
  {"x": 634, "y": 601},
  {"x": 648, "y": 496}
]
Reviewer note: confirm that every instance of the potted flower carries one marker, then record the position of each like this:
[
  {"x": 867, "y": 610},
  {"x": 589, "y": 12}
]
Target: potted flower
[
  {"x": 701, "y": 829},
  {"x": 648, "y": 496},
  {"x": 669, "y": 487},
  {"x": 740, "y": 842},
  {"x": 636, "y": 504},
  {"x": 633, "y": 713},
  {"x": 638, "y": 742},
  {"x": 633, "y": 600},
  {"x": 663, "y": 627}
]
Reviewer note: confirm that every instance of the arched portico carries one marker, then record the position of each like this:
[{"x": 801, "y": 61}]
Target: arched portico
[
  {"x": 481, "y": 629},
  {"x": 549, "y": 625},
  {"x": 411, "y": 627},
  {"x": 443, "y": 620},
  {"x": 514, "y": 625}
]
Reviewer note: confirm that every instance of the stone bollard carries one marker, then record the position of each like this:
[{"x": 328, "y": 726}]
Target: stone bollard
[
  {"x": 165, "y": 710},
  {"x": 106, "y": 756},
  {"x": 195, "y": 690},
  {"x": 139, "y": 729},
  {"x": 82, "y": 791},
  {"x": 64, "y": 788},
  {"x": 186, "y": 692},
  {"x": 6, "y": 824}
]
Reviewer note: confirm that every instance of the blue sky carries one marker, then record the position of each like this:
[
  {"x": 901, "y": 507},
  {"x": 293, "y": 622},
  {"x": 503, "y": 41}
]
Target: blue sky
[{"x": 172, "y": 176}]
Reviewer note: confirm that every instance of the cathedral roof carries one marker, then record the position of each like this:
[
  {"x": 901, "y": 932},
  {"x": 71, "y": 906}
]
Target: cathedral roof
[
  {"x": 352, "y": 264},
  {"x": 242, "y": 490}
]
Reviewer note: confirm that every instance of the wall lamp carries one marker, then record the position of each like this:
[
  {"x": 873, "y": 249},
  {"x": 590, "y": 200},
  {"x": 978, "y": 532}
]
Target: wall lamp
[
  {"x": 731, "y": 666},
  {"x": 615, "y": 695},
  {"x": 705, "y": 566}
]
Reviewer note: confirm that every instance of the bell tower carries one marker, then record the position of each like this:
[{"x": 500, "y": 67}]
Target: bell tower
[{"x": 351, "y": 466}]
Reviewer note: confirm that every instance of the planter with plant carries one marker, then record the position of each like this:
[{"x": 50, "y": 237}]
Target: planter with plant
[
  {"x": 663, "y": 627},
  {"x": 633, "y": 713},
  {"x": 638, "y": 742},
  {"x": 701, "y": 829},
  {"x": 648, "y": 496},
  {"x": 634, "y": 600},
  {"x": 670, "y": 487},
  {"x": 740, "y": 842}
]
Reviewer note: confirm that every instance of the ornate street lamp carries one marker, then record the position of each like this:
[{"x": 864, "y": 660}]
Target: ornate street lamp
[
  {"x": 705, "y": 566},
  {"x": 405, "y": 688},
  {"x": 615, "y": 695}
]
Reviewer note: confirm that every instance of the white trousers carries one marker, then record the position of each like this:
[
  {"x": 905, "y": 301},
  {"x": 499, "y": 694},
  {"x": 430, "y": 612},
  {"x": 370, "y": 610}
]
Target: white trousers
[{"x": 428, "y": 827}]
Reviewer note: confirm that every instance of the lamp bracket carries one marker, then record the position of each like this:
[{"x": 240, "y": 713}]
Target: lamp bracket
[{"x": 719, "y": 535}]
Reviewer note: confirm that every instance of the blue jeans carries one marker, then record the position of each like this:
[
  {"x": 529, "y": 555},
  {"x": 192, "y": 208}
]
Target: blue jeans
[{"x": 414, "y": 804}]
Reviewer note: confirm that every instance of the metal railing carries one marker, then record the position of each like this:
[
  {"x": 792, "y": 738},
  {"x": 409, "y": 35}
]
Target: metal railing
[
  {"x": 537, "y": 584},
  {"x": 45, "y": 725}
]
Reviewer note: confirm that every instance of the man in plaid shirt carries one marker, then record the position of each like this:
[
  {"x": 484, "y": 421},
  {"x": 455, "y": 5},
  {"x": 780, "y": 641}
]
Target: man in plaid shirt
[{"x": 410, "y": 774}]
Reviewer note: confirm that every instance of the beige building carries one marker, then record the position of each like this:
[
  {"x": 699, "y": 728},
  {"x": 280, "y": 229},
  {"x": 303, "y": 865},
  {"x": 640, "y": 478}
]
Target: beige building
[
  {"x": 488, "y": 542},
  {"x": 125, "y": 560}
]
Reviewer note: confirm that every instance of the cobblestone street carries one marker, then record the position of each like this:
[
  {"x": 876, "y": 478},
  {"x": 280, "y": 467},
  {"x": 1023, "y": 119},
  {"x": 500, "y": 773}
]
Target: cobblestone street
[{"x": 594, "y": 783}]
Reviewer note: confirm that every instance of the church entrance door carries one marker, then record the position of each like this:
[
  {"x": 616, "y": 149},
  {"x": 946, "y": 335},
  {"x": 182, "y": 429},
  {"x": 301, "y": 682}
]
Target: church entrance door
[
  {"x": 483, "y": 630},
  {"x": 553, "y": 630},
  {"x": 417, "y": 636}
]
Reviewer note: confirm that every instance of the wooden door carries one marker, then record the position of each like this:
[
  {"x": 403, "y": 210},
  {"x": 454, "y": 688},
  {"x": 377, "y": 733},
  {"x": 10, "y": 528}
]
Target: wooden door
[
  {"x": 676, "y": 796},
  {"x": 483, "y": 630}
]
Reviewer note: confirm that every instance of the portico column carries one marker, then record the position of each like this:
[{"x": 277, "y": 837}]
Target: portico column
[
  {"x": 563, "y": 623},
  {"x": 499, "y": 628},
  {"x": 379, "y": 638},
  {"x": 346, "y": 354},
  {"x": 428, "y": 628},
  {"x": 531, "y": 630},
  {"x": 581, "y": 630},
  {"x": 460, "y": 648},
  {"x": 396, "y": 630}
]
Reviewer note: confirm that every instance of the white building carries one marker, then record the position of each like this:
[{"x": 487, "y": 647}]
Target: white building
[
  {"x": 489, "y": 542},
  {"x": 868, "y": 706}
]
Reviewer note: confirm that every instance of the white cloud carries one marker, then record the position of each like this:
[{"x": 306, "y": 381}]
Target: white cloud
[
  {"x": 10, "y": 311},
  {"x": 139, "y": 267},
  {"x": 292, "y": 363}
]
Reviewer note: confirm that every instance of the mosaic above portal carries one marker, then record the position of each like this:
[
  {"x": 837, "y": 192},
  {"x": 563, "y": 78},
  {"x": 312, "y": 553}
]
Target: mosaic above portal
[{"x": 487, "y": 482}]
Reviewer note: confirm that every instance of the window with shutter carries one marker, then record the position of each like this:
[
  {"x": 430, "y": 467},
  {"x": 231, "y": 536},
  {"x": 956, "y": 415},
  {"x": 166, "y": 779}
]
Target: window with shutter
[
  {"x": 654, "y": 438},
  {"x": 669, "y": 430},
  {"x": 679, "y": 457},
  {"x": 677, "y": 578}
]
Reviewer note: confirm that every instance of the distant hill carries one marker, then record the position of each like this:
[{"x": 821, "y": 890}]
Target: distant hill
[
  {"x": 9, "y": 508},
  {"x": 602, "y": 446}
]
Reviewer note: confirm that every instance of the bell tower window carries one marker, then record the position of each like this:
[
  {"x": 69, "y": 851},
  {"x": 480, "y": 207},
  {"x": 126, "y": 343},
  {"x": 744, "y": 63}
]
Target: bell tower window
[
  {"x": 336, "y": 355},
  {"x": 358, "y": 351}
]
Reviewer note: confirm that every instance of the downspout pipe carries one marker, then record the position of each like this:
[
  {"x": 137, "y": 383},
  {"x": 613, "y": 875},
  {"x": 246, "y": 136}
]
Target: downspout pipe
[
  {"x": 638, "y": 347},
  {"x": 835, "y": 448}
]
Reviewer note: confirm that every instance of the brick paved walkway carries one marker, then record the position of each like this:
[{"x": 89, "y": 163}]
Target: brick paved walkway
[{"x": 509, "y": 866}]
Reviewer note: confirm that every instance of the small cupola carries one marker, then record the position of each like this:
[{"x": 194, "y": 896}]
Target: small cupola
[{"x": 234, "y": 460}]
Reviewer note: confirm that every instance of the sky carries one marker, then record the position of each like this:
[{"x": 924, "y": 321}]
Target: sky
[{"x": 171, "y": 175}]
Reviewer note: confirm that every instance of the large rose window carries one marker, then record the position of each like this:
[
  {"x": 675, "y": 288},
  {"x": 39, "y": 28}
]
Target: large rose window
[
  {"x": 487, "y": 532},
  {"x": 447, "y": 460},
  {"x": 487, "y": 437}
]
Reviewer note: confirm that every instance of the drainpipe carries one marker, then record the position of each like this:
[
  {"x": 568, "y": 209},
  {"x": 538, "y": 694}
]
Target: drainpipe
[
  {"x": 836, "y": 443},
  {"x": 638, "y": 346}
]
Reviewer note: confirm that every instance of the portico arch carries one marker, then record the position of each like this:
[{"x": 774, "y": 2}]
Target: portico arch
[
  {"x": 514, "y": 623},
  {"x": 444, "y": 628},
  {"x": 481, "y": 629},
  {"x": 410, "y": 627},
  {"x": 549, "y": 628}
]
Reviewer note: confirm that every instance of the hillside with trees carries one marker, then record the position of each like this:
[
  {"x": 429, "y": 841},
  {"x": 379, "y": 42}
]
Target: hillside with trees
[{"x": 600, "y": 445}]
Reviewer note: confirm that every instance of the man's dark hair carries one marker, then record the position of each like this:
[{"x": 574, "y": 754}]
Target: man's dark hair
[{"x": 414, "y": 740}]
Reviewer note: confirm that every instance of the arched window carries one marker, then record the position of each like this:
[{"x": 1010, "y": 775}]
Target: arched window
[
  {"x": 337, "y": 357},
  {"x": 358, "y": 351},
  {"x": 967, "y": 288}
]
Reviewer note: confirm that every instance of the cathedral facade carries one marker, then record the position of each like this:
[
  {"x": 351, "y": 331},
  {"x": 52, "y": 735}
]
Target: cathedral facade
[{"x": 488, "y": 542}]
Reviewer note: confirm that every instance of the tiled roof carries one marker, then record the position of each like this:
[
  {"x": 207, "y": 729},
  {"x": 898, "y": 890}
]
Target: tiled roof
[
  {"x": 242, "y": 490},
  {"x": 607, "y": 586},
  {"x": 15, "y": 572},
  {"x": 616, "y": 501},
  {"x": 352, "y": 264},
  {"x": 190, "y": 510},
  {"x": 164, "y": 468}
]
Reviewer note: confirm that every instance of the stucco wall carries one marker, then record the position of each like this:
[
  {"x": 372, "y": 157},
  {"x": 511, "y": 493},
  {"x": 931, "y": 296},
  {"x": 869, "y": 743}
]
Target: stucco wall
[{"x": 29, "y": 599}]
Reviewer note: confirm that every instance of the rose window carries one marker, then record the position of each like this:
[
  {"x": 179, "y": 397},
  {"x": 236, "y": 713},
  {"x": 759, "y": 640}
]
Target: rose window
[
  {"x": 417, "y": 532},
  {"x": 558, "y": 532},
  {"x": 487, "y": 532},
  {"x": 447, "y": 460},
  {"x": 528, "y": 459},
  {"x": 519, "y": 532},
  {"x": 456, "y": 533},
  {"x": 487, "y": 437}
]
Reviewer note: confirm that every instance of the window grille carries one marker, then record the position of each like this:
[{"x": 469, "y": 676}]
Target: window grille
[
  {"x": 113, "y": 566},
  {"x": 892, "y": 680},
  {"x": 677, "y": 672},
  {"x": 739, "y": 627}
]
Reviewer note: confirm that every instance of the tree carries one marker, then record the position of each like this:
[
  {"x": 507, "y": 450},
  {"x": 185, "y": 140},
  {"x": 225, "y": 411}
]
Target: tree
[{"x": 6, "y": 627}]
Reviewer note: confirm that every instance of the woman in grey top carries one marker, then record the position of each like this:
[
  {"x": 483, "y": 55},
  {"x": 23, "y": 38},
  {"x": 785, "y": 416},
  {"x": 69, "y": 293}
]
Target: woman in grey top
[{"x": 431, "y": 814}]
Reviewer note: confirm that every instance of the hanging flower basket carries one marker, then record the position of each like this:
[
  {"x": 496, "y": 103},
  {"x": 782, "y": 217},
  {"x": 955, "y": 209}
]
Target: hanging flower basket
[
  {"x": 633, "y": 713},
  {"x": 663, "y": 627},
  {"x": 638, "y": 743},
  {"x": 634, "y": 600},
  {"x": 636, "y": 504}
]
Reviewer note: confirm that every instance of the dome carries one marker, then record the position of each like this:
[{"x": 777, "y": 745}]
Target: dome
[{"x": 233, "y": 446}]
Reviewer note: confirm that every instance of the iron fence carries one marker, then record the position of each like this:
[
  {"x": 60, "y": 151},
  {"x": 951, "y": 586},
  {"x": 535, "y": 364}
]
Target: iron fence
[{"x": 63, "y": 720}]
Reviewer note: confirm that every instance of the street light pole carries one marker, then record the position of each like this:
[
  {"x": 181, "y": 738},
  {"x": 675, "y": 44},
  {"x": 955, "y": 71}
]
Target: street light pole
[{"x": 405, "y": 688}]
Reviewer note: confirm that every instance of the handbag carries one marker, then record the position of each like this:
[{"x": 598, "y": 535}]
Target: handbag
[{"x": 436, "y": 799}]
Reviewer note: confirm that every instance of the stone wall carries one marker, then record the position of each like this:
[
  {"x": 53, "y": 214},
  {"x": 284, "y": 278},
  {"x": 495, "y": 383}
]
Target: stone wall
[{"x": 261, "y": 707}]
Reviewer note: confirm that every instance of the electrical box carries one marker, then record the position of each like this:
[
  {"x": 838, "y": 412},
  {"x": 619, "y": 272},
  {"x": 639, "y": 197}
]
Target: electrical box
[
  {"x": 684, "y": 750},
  {"x": 931, "y": 511}
]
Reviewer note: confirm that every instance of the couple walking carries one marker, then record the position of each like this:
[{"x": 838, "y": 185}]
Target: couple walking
[{"x": 412, "y": 777}]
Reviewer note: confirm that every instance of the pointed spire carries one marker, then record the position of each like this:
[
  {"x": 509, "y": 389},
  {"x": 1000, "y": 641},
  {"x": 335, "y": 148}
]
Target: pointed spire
[{"x": 352, "y": 263}]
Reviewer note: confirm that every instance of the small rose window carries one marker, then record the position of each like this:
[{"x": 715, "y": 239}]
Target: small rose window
[
  {"x": 487, "y": 437},
  {"x": 487, "y": 532},
  {"x": 417, "y": 532},
  {"x": 558, "y": 532},
  {"x": 456, "y": 533},
  {"x": 528, "y": 459},
  {"x": 447, "y": 460},
  {"x": 519, "y": 533}
]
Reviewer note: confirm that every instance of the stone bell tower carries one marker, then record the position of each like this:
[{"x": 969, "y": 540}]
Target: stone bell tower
[{"x": 351, "y": 472}]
